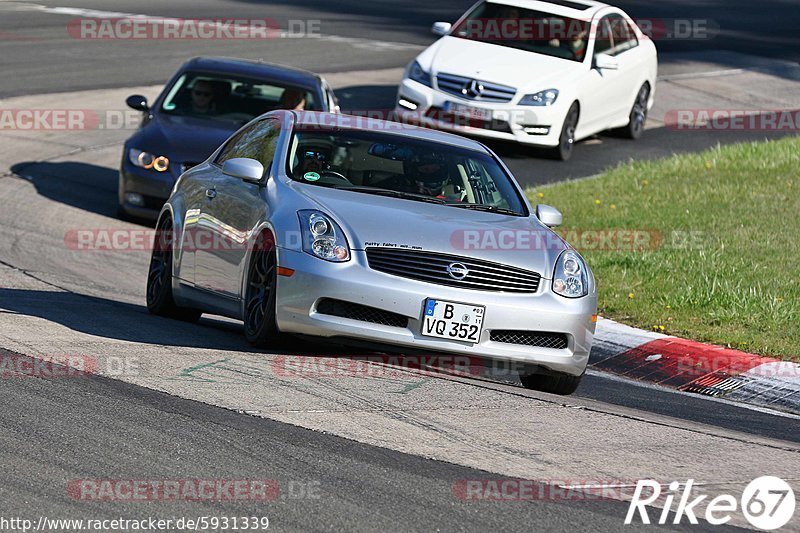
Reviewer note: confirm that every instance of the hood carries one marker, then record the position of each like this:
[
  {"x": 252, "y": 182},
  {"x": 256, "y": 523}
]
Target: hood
[
  {"x": 490, "y": 62},
  {"x": 370, "y": 220},
  {"x": 182, "y": 139}
]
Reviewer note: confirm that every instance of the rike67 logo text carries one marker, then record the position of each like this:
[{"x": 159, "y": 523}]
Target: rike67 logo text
[{"x": 767, "y": 503}]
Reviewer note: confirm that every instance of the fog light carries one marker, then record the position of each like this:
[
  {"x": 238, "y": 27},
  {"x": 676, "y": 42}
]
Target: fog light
[
  {"x": 408, "y": 104},
  {"x": 134, "y": 198},
  {"x": 536, "y": 130}
]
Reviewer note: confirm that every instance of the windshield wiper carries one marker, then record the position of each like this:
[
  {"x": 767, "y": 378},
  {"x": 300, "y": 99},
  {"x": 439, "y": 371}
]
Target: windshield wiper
[
  {"x": 484, "y": 207},
  {"x": 391, "y": 193}
]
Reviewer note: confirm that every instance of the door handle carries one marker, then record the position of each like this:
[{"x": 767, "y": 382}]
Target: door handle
[{"x": 211, "y": 193}]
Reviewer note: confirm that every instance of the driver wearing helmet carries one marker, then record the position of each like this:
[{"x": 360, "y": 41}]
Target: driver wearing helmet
[
  {"x": 428, "y": 175},
  {"x": 314, "y": 161}
]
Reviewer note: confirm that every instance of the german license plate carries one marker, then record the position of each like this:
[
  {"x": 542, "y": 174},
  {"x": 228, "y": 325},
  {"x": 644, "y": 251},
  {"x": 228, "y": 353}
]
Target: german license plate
[
  {"x": 466, "y": 111},
  {"x": 451, "y": 320}
]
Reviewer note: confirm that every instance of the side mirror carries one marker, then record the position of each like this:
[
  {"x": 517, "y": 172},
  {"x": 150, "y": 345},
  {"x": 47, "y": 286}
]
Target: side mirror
[
  {"x": 605, "y": 61},
  {"x": 244, "y": 168},
  {"x": 441, "y": 28},
  {"x": 549, "y": 216},
  {"x": 137, "y": 102}
]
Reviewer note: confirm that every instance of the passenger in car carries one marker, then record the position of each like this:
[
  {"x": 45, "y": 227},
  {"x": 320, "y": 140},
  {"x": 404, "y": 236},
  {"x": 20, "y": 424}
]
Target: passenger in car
[{"x": 293, "y": 99}]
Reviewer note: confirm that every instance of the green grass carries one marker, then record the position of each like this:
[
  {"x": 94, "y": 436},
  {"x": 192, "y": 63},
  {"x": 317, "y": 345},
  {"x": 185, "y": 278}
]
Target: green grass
[{"x": 734, "y": 281}]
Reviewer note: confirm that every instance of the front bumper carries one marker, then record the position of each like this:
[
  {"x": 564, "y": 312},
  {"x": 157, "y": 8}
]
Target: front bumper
[
  {"x": 538, "y": 126},
  {"x": 353, "y": 281},
  {"x": 154, "y": 188}
]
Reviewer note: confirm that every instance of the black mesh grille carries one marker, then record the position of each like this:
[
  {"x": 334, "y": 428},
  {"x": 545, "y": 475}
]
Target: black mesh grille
[
  {"x": 432, "y": 267},
  {"x": 540, "y": 339},
  {"x": 362, "y": 313}
]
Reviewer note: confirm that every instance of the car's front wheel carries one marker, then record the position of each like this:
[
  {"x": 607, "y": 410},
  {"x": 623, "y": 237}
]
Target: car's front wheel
[
  {"x": 638, "y": 115},
  {"x": 566, "y": 141},
  {"x": 555, "y": 382},
  {"x": 159, "y": 277},
  {"x": 260, "y": 327}
]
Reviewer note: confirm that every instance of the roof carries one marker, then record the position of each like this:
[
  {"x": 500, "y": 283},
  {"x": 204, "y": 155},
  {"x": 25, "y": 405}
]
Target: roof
[
  {"x": 253, "y": 69},
  {"x": 352, "y": 122}
]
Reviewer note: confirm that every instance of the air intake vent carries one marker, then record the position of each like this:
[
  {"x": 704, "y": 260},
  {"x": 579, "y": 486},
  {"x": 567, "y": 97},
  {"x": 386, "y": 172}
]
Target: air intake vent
[
  {"x": 540, "y": 339},
  {"x": 362, "y": 313}
]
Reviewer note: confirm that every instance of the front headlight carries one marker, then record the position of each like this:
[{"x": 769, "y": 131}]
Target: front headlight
[
  {"x": 147, "y": 160},
  {"x": 570, "y": 277},
  {"x": 416, "y": 73},
  {"x": 322, "y": 237},
  {"x": 542, "y": 98}
]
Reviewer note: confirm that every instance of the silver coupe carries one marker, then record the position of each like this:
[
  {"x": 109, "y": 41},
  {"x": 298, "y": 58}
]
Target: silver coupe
[{"x": 374, "y": 232}]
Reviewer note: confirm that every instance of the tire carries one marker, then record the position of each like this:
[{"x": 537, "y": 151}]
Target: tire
[
  {"x": 555, "y": 383},
  {"x": 260, "y": 327},
  {"x": 638, "y": 116},
  {"x": 159, "y": 278},
  {"x": 566, "y": 141}
]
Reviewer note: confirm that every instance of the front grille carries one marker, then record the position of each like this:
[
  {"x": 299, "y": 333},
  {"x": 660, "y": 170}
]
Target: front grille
[
  {"x": 362, "y": 313},
  {"x": 541, "y": 339},
  {"x": 491, "y": 92},
  {"x": 432, "y": 267}
]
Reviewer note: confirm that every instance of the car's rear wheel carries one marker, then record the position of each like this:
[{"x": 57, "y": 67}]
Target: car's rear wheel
[
  {"x": 159, "y": 277},
  {"x": 566, "y": 141},
  {"x": 638, "y": 116},
  {"x": 555, "y": 382},
  {"x": 260, "y": 327}
]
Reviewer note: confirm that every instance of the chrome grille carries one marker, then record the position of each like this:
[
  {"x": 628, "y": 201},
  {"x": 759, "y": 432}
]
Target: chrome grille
[
  {"x": 362, "y": 313},
  {"x": 491, "y": 92},
  {"x": 432, "y": 267},
  {"x": 541, "y": 339}
]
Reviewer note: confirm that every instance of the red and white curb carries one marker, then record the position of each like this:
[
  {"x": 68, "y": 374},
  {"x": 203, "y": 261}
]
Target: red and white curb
[{"x": 696, "y": 367}]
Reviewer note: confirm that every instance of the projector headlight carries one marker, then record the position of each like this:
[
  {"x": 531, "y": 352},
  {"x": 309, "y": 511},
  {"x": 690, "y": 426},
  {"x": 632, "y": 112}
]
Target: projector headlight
[
  {"x": 542, "y": 98},
  {"x": 147, "y": 160},
  {"x": 416, "y": 73},
  {"x": 570, "y": 277},
  {"x": 322, "y": 237}
]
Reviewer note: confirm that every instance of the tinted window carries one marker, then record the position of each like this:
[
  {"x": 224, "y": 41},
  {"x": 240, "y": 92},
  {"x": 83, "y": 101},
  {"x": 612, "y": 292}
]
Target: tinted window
[
  {"x": 383, "y": 163},
  {"x": 525, "y": 29},
  {"x": 258, "y": 142}
]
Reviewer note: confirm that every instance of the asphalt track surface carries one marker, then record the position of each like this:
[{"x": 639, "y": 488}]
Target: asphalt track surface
[{"x": 96, "y": 427}]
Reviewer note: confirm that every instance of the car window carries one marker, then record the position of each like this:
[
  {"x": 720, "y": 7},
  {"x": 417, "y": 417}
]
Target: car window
[
  {"x": 534, "y": 31},
  {"x": 622, "y": 33},
  {"x": 231, "y": 98},
  {"x": 383, "y": 163},
  {"x": 603, "y": 41},
  {"x": 258, "y": 142}
]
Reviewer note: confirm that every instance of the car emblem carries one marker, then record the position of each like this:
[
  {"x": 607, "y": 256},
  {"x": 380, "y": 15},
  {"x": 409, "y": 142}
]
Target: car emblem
[
  {"x": 457, "y": 271},
  {"x": 472, "y": 88}
]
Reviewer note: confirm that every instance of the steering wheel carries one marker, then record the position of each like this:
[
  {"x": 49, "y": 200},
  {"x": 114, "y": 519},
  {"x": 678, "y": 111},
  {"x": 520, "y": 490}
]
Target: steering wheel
[{"x": 336, "y": 175}]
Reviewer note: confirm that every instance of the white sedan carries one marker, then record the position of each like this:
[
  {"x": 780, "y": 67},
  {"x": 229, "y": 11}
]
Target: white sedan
[{"x": 540, "y": 73}]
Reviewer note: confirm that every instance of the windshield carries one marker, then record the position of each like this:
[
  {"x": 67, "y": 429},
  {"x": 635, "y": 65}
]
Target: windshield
[
  {"x": 525, "y": 29},
  {"x": 223, "y": 97},
  {"x": 396, "y": 165}
]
